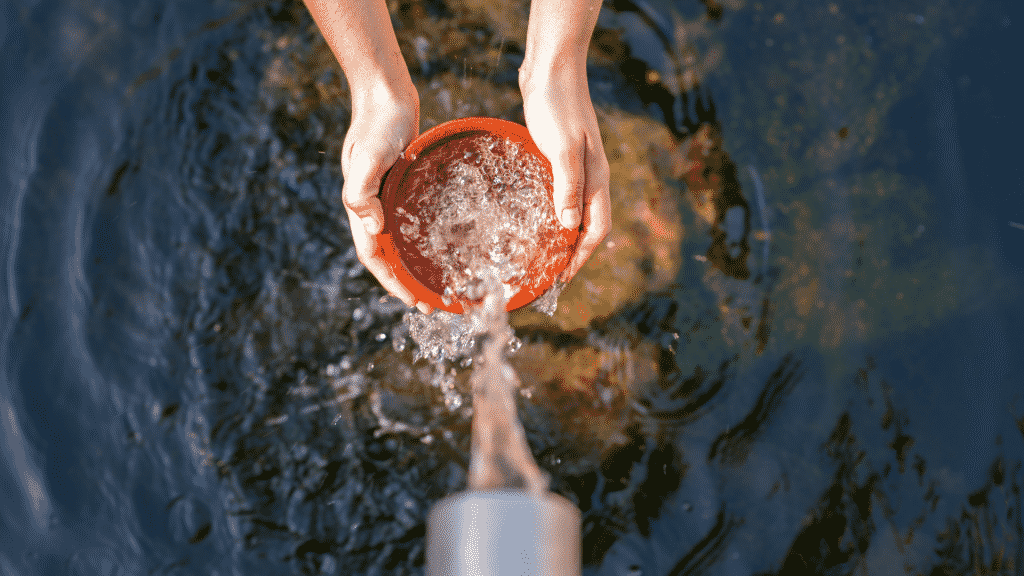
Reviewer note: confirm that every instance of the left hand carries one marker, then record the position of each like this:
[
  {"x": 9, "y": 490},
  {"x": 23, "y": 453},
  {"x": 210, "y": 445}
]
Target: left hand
[
  {"x": 385, "y": 119},
  {"x": 561, "y": 120}
]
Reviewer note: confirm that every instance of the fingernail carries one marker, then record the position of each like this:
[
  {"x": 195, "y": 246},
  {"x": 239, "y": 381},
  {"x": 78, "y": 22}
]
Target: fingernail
[
  {"x": 571, "y": 218},
  {"x": 371, "y": 225},
  {"x": 424, "y": 308}
]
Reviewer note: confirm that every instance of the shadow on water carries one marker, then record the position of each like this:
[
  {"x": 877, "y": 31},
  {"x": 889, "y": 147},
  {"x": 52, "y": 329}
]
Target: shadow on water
[{"x": 762, "y": 370}]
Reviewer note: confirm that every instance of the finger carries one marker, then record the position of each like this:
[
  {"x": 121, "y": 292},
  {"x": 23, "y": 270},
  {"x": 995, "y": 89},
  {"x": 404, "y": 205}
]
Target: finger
[
  {"x": 369, "y": 251},
  {"x": 567, "y": 165},
  {"x": 596, "y": 225},
  {"x": 359, "y": 194},
  {"x": 597, "y": 217}
]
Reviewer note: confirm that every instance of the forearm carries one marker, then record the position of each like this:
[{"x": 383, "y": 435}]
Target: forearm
[
  {"x": 360, "y": 35},
  {"x": 557, "y": 39}
]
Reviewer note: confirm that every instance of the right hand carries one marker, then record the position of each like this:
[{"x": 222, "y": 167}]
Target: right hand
[
  {"x": 383, "y": 124},
  {"x": 561, "y": 119}
]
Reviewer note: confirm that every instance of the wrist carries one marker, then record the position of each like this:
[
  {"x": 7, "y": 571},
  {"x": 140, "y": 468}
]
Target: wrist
[
  {"x": 544, "y": 69},
  {"x": 557, "y": 40},
  {"x": 373, "y": 88}
]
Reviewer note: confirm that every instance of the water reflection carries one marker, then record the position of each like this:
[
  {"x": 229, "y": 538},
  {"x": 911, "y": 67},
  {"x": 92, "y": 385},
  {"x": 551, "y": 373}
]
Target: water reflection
[
  {"x": 764, "y": 370},
  {"x": 335, "y": 441}
]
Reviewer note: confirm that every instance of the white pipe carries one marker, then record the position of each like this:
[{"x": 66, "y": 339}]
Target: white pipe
[{"x": 503, "y": 533}]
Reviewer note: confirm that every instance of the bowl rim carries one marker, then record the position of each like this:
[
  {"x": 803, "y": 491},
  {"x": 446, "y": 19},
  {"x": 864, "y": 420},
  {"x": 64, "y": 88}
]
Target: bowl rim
[{"x": 423, "y": 144}]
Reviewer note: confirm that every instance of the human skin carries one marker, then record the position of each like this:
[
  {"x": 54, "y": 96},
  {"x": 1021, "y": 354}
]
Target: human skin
[
  {"x": 385, "y": 118},
  {"x": 561, "y": 120}
]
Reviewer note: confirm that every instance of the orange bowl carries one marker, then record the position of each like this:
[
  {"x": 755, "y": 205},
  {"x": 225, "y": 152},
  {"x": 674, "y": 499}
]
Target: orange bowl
[{"x": 412, "y": 194}]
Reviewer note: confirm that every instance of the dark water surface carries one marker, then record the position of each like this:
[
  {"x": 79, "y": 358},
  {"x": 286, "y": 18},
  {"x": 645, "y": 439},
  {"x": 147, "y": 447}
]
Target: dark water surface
[{"x": 800, "y": 350}]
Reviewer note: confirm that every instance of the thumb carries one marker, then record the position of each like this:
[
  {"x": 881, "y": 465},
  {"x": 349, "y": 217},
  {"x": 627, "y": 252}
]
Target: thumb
[
  {"x": 359, "y": 195},
  {"x": 567, "y": 172}
]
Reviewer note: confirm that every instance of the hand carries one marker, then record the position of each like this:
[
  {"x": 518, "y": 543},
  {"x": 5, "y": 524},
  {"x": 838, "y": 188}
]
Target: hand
[
  {"x": 383, "y": 123},
  {"x": 561, "y": 120}
]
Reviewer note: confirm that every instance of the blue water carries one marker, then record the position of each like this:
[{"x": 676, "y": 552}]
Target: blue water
[{"x": 196, "y": 369}]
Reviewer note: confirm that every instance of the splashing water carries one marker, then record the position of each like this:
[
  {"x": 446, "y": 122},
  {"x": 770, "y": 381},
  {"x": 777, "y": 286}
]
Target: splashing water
[
  {"x": 547, "y": 303},
  {"x": 482, "y": 337},
  {"x": 483, "y": 227}
]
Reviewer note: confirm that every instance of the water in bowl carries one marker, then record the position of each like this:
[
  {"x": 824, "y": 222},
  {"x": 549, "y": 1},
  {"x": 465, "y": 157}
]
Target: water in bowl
[{"x": 488, "y": 206}]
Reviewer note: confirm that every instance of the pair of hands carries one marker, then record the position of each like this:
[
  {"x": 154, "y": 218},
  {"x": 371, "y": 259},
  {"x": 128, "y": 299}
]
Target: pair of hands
[{"x": 561, "y": 120}]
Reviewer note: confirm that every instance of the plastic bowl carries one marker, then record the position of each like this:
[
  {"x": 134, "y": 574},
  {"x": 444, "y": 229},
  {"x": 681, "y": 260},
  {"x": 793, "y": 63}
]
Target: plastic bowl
[{"x": 422, "y": 164}]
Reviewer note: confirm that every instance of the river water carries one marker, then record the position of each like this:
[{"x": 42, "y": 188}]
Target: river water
[{"x": 797, "y": 351}]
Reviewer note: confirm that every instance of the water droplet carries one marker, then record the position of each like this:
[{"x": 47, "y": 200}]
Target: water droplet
[
  {"x": 514, "y": 344},
  {"x": 453, "y": 402}
]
